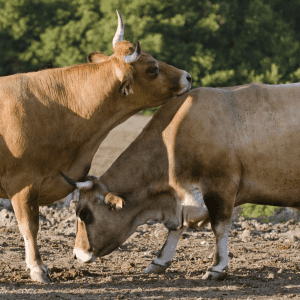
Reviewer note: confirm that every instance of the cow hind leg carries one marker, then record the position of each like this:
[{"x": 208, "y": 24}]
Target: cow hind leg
[
  {"x": 27, "y": 213},
  {"x": 220, "y": 212},
  {"x": 166, "y": 254}
]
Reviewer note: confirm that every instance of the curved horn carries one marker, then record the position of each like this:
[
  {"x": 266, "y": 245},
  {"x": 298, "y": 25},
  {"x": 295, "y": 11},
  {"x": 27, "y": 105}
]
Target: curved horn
[
  {"x": 119, "y": 35},
  {"x": 129, "y": 59},
  {"x": 68, "y": 180},
  {"x": 85, "y": 185}
]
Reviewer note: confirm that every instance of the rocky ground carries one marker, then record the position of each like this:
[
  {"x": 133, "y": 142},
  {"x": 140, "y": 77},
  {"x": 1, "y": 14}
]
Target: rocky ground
[
  {"x": 264, "y": 255},
  {"x": 264, "y": 262}
]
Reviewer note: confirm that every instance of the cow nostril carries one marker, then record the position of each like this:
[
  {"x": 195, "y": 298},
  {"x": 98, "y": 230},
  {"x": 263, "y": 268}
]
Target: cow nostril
[{"x": 189, "y": 78}]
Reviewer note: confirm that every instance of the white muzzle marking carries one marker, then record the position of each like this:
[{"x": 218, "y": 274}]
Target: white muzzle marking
[
  {"x": 186, "y": 85},
  {"x": 83, "y": 256}
]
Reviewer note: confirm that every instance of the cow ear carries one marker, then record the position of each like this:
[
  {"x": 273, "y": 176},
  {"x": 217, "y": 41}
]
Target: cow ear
[
  {"x": 126, "y": 87},
  {"x": 124, "y": 74},
  {"x": 114, "y": 201},
  {"x": 96, "y": 57}
]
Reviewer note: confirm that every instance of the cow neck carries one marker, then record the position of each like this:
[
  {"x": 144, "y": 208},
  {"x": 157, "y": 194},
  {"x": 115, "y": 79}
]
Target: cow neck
[
  {"x": 86, "y": 98},
  {"x": 83, "y": 103},
  {"x": 142, "y": 169},
  {"x": 93, "y": 90}
]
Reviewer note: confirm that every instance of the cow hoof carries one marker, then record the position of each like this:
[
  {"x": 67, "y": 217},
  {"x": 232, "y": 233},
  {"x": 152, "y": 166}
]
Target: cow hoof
[
  {"x": 214, "y": 275},
  {"x": 155, "y": 269},
  {"x": 41, "y": 277}
]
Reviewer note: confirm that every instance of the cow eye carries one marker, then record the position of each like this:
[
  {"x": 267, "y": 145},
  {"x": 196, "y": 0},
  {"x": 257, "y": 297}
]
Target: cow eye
[
  {"x": 86, "y": 216},
  {"x": 152, "y": 70}
]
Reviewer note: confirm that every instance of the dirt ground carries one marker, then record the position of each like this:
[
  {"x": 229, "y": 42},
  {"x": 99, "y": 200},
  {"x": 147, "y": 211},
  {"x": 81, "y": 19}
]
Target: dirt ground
[{"x": 264, "y": 257}]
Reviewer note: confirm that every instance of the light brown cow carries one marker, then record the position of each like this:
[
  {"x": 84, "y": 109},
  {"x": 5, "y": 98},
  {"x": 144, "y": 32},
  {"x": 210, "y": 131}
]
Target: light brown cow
[
  {"x": 228, "y": 146},
  {"x": 54, "y": 120}
]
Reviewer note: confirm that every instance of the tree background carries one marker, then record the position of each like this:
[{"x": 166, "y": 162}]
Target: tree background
[{"x": 220, "y": 43}]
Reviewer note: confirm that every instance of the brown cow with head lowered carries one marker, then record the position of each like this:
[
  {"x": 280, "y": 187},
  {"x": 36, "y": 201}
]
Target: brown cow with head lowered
[
  {"x": 54, "y": 120},
  {"x": 217, "y": 147}
]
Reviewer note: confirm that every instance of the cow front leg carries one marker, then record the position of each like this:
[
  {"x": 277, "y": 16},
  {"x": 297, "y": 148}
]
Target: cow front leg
[
  {"x": 220, "y": 212},
  {"x": 27, "y": 213},
  {"x": 166, "y": 254}
]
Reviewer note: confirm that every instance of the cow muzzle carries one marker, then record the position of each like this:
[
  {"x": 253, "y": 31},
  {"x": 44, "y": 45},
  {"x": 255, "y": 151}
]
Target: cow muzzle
[
  {"x": 82, "y": 256},
  {"x": 185, "y": 83}
]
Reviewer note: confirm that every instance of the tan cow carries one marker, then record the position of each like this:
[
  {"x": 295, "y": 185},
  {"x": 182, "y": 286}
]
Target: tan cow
[
  {"x": 228, "y": 146},
  {"x": 54, "y": 120}
]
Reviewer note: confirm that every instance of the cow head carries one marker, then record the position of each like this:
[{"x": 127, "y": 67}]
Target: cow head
[
  {"x": 104, "y": 221},
  {"x": 145, "y": 81}
]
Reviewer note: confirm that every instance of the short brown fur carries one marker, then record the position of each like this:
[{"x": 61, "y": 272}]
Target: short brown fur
[
  {"x": 54, "y": 120},
  {"x": 233, "y": 146}
]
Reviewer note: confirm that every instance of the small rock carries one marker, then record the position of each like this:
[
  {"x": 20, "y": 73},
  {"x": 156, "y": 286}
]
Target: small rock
[
  {"x": 4, "y": 214},
  {"x": 246, "y": 225},
  {"x": 6, "y": 203},
  {"x": 43, "y": 219},
  {"x": 184, "y": 236},
  {"x": 72, "y": 205},
  {"x": 126, "y": 265},
  {"x": 280, "y": 271},
  {"x": 294, "y": 238},
  {"x": 271, "y": 236},
  {"x": 160, "y": 233},
  {"x": 290, "y": 222},
  {"x": 234, "y": 232},
  {"x": 246, "y": 234},
  {"x": 72, "y": 218},
  {"x": 265, "y": 227},
  {"x": 7, "y": 218}
]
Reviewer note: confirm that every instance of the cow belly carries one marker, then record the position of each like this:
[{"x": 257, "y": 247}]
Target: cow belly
[
  {"x": 271, "y": 170},
  {"x": 269, "y": 197},
  {"x": 3, "y": 194},
  {"x": 278, "y": 191}
]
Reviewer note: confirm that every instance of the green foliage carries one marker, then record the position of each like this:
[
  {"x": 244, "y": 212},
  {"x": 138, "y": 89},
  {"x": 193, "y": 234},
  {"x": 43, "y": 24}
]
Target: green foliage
[
  {"x": 254, "y": 211},
  {"x": 220, "y": 43},
  {"x": 149, "y": 111}
]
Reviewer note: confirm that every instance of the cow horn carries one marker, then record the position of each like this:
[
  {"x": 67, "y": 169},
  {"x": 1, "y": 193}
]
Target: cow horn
[
  {"x": 129, "y": 59},
  {"x": 84, "y": 186},
  {"x": 68, "y": 180},
  {"x": 119, "y": 35}
]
